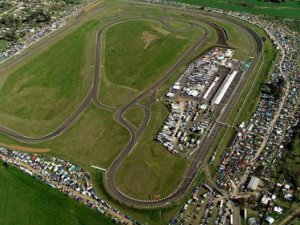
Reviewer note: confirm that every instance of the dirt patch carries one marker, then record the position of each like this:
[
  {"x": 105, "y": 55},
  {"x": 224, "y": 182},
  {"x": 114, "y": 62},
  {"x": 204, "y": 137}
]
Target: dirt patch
[
  {"x": 24, "y": 149},
  {"x": 160, "y": 30},
  {"x": 148, "y": 38},
  {"x": 179, "y": 37}
]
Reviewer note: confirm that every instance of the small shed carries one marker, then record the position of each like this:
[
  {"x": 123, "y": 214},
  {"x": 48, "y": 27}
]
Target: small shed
[{"x": 270, "y": 220}]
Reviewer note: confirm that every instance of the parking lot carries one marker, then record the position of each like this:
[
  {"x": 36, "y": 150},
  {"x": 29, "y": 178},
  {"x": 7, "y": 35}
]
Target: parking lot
[{"x": 204, "y": 207}]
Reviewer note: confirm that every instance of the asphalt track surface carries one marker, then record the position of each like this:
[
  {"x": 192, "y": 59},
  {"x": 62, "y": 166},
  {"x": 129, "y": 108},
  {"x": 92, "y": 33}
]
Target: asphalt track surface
[{"x": 149, "y": 93}]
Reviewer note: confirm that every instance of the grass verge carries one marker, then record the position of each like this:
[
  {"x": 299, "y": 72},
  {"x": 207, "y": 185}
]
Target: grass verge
[{"x": 135, "y": 115}]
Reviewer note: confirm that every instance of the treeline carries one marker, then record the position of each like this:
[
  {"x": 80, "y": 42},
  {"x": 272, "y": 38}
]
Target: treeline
[{"x": 274, "y": 1}]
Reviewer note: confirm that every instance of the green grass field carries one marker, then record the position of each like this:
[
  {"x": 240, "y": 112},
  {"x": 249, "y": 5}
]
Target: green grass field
[
  {"x": 38, "y": 96},
  {"x": 26, "y": 201},
  {"x": 95, "y": 139},
  {"x": 288, "y": 9},
  {"x": 129, "y": 70}
]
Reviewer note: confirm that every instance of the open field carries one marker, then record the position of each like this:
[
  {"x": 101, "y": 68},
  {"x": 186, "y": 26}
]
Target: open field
[
  {"x": 85, "y": 143},
  {"x": 38, "y": 96},
  {"x": 2, "y": 43},
  {"x": 127, "y": 71},
  {"x": 26, "y": 201},
  {"x": 95, "y": 139},
  {"x": 288, "y": 9}
]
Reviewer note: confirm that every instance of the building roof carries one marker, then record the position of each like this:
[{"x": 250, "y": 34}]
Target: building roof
[
  {"x": 253, "y": 183},
  {"x": 270, "y": 219}
]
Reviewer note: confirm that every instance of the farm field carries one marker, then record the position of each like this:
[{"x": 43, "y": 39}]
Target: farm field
[
  {"x": 26, "y": 201},
  {"x": 288, "y": 9}
]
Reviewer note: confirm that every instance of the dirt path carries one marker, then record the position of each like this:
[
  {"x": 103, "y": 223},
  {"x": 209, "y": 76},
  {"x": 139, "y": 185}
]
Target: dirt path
[{"x": 24, "y": 149}]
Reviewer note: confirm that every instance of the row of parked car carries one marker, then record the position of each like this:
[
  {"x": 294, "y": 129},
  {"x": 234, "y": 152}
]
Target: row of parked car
[{"x": 65, "y": 177}]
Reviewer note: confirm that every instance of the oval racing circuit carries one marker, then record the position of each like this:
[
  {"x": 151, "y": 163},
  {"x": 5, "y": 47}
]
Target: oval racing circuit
[{"x": 135, "y": 133}]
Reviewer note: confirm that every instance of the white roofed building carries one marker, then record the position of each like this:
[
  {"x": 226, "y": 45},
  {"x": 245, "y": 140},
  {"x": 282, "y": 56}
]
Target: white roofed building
[{"x": 253, "y": 183}]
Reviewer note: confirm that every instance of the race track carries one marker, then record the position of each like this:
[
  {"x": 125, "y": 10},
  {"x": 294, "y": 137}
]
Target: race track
[{"x": 135, "y": 133}]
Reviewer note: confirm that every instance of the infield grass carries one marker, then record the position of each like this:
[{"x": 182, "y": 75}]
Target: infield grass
[
  {"x": 151, "y": 169},
  {"x": 159, "y": 216},
  {"x": 135, "y": 116},
  {"x": 95, "y": 139},
  {"x": 25, "y": 200},
  {"x": 138, "y": 57}
]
